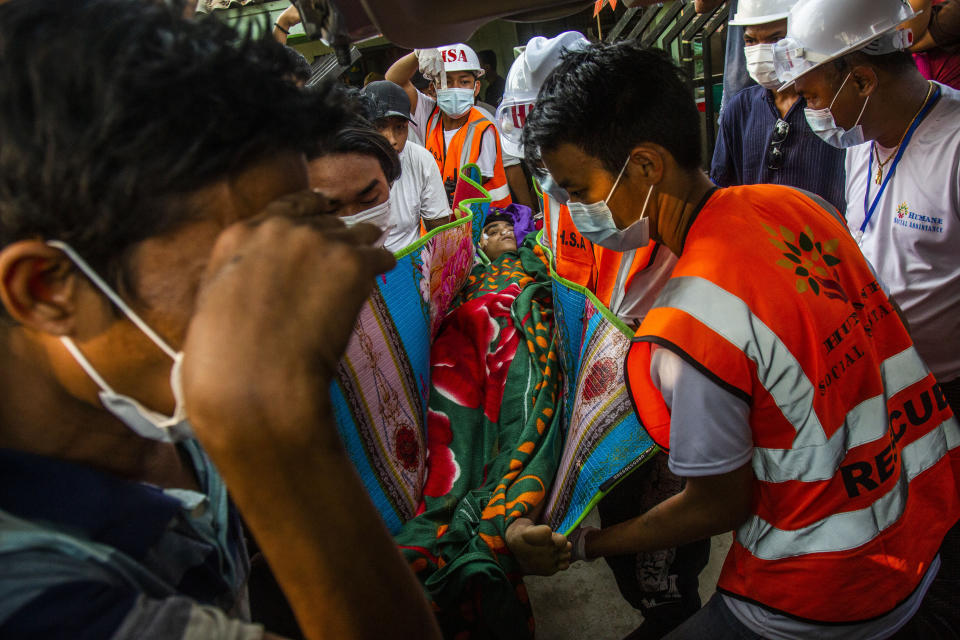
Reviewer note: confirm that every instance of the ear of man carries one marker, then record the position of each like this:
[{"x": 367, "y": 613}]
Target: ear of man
[
  {"x": 865, "y": 78},
  {"x": 39, "y": 287},
  {"x": 647, "y": 160}
]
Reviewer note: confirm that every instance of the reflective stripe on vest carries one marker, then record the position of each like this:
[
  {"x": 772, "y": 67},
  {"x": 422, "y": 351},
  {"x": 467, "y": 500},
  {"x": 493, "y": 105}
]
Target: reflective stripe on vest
[
  {"x": 813, "y": 456},
  {"x": 465, "y": 147},
  {"x": 856, "y": 452},
  {"x": 851, "y": 529}
]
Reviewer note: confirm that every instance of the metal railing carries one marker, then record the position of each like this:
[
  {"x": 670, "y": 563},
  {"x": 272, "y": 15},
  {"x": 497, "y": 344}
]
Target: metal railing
[{"x": 692, "y": 40}]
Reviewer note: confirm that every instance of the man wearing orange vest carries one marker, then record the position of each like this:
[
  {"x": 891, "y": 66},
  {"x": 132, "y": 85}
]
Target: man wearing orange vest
[
  {"x": 610, "y": 275},
  {"x": 662, "y": 584},
  {"x": 452, "y": 129},
  {"x": 772, "y": 366}
]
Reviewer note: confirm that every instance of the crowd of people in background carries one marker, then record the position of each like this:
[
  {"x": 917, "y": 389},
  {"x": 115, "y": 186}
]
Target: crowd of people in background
[{"x": 188, "y": 234}]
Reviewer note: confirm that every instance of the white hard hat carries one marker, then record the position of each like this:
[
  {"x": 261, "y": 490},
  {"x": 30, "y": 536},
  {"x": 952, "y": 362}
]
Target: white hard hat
[
  {"x": 819, "y": 31},
  {"x": 751, "y": 12},
  {"x": 523, "y": 82},
  {"x": 460, "y": 57}
]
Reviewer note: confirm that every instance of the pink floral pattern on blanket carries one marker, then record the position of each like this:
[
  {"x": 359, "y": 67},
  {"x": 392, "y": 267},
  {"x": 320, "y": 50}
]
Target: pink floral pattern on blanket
[{"x": 446, "y": 260}]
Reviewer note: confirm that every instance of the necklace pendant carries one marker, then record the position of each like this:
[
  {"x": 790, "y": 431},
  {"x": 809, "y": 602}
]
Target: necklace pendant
[{"x": 879, "y": 178}]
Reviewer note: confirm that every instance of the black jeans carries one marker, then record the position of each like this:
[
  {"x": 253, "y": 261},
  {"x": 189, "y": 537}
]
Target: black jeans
[{"x": 664, "y": 584}]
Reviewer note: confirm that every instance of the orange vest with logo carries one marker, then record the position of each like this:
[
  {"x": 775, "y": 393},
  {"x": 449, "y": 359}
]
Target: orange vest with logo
[
  {"x": 572, "y": 252},
  {"x": 464, "y": 148},
  {"x": 856, "y": 453}
]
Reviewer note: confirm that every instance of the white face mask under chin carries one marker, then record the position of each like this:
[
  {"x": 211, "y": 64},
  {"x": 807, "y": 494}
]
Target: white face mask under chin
[
  {"x": 141, "y": 420},
  {"x": 822, "y": 123},
  {"x": 760, "y": 65},
  {"x": 595, "y": 222}
]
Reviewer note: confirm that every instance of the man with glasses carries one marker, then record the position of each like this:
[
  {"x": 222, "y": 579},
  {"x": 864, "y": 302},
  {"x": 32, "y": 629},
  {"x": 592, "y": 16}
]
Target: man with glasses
[{"x": 764, "y": 137}]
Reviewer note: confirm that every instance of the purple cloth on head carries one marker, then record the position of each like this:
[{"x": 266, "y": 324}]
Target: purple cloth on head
[{"x": 522, "y": 220}]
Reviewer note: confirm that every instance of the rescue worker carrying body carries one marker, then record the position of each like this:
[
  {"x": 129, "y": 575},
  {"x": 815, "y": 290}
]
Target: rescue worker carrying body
[
  {"x": 793, "y": 401},
  {"x": 451, "y": 127},
  {"x": 663, "y": 583}
]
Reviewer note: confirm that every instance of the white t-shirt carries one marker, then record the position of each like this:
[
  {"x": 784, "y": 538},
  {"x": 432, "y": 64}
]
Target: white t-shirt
[
  {"x": 413, "y": 134},
  {"x": 913, "y": 237},
  {"x": 632, "y": 303},
  {"x": 418, "y": 193},
  {"x": 488, "y": 145},
  {"x": 710, "y": 435}
]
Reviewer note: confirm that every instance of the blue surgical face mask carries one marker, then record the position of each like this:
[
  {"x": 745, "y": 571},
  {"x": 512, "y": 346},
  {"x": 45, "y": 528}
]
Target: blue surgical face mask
[
  {"x": 455, "y": 102},
  {"x": 822, "y": 123},
  {"x": 143, "y": 421},
  {"x": 549, "y": 186},
  {"x": 595, "y": 222}
]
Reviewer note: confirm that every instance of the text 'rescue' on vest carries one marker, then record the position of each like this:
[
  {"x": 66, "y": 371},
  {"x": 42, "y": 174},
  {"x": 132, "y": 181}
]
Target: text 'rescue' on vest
[
  {"x": 464, "y": 149},
  {"x": 856, "y": 453}
]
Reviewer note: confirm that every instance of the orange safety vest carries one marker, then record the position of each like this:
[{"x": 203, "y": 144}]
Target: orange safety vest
[
  {"x": 465, "y": 148},
  {"x": 573, "y": 254},
  {"x": 856, "y": 452},
  {"x": 611, "y": 276}
]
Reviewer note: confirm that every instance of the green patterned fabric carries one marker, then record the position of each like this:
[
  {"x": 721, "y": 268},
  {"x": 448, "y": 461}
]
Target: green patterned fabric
[{"x": 493, "y": 445}]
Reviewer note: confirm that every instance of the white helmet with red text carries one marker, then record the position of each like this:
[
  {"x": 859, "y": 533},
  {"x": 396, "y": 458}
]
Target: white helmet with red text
[{"x": 523, "y": 82}]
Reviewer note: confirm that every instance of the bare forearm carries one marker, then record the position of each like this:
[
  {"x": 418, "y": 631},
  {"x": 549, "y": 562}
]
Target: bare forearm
[
  {"x": 519, "y": 187},
  {"x": 327, "y": 546},
  {"x": 703, "y": 6},
  {"x": 401, "y": 72},
  {"x": 925, "y": 43},
  {"x": 435, "y": 223},
  {"x": 919, "y": 24},
  {"x": 285, "y": 21},
  {"x": 697, "y": 512}
]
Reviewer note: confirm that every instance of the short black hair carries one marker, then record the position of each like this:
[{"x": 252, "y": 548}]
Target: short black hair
[
  {"x": 488, "y": 56},
  {"x": 112, "y": 111},
  {"x": 301, "y": 68},
  {"x": 608, "y": 98},
  {"x": 360, "y": 136}
]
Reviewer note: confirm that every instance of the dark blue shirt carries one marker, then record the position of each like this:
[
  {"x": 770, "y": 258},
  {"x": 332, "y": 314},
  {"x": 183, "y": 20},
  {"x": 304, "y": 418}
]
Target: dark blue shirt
[
  {"x": 743, "y": 146},
  {"x": 85, "y": 554},
  {"x": 735, "y": 76}
]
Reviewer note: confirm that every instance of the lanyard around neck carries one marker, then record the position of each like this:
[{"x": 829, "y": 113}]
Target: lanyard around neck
[{"x": 870, "y": 208}]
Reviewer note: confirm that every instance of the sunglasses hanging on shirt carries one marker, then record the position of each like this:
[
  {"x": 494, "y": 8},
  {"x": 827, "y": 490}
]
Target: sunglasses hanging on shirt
[{"x": 774, "y": 153}]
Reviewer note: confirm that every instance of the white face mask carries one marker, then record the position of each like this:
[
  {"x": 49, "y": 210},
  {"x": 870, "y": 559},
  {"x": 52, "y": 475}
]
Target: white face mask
[
  {"x": 595, "y": 222},
  {"x": 378, "y": 215},
  {"x": 760, "y": 65},
  {"x": 455, "y": 102},
  {"x": 822, "y": 123},
  {"x": 143, "y": 421}
]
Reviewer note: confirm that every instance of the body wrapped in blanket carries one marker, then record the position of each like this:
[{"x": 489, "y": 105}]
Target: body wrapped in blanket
[{"x": 493, "y": 445}]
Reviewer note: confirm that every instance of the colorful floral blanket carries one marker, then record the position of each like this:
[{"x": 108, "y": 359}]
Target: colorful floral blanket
[
  {"x": 493, "y": 445},
  {"x": 605, "y": 440},
  {"x": 380, "y": 396}
]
